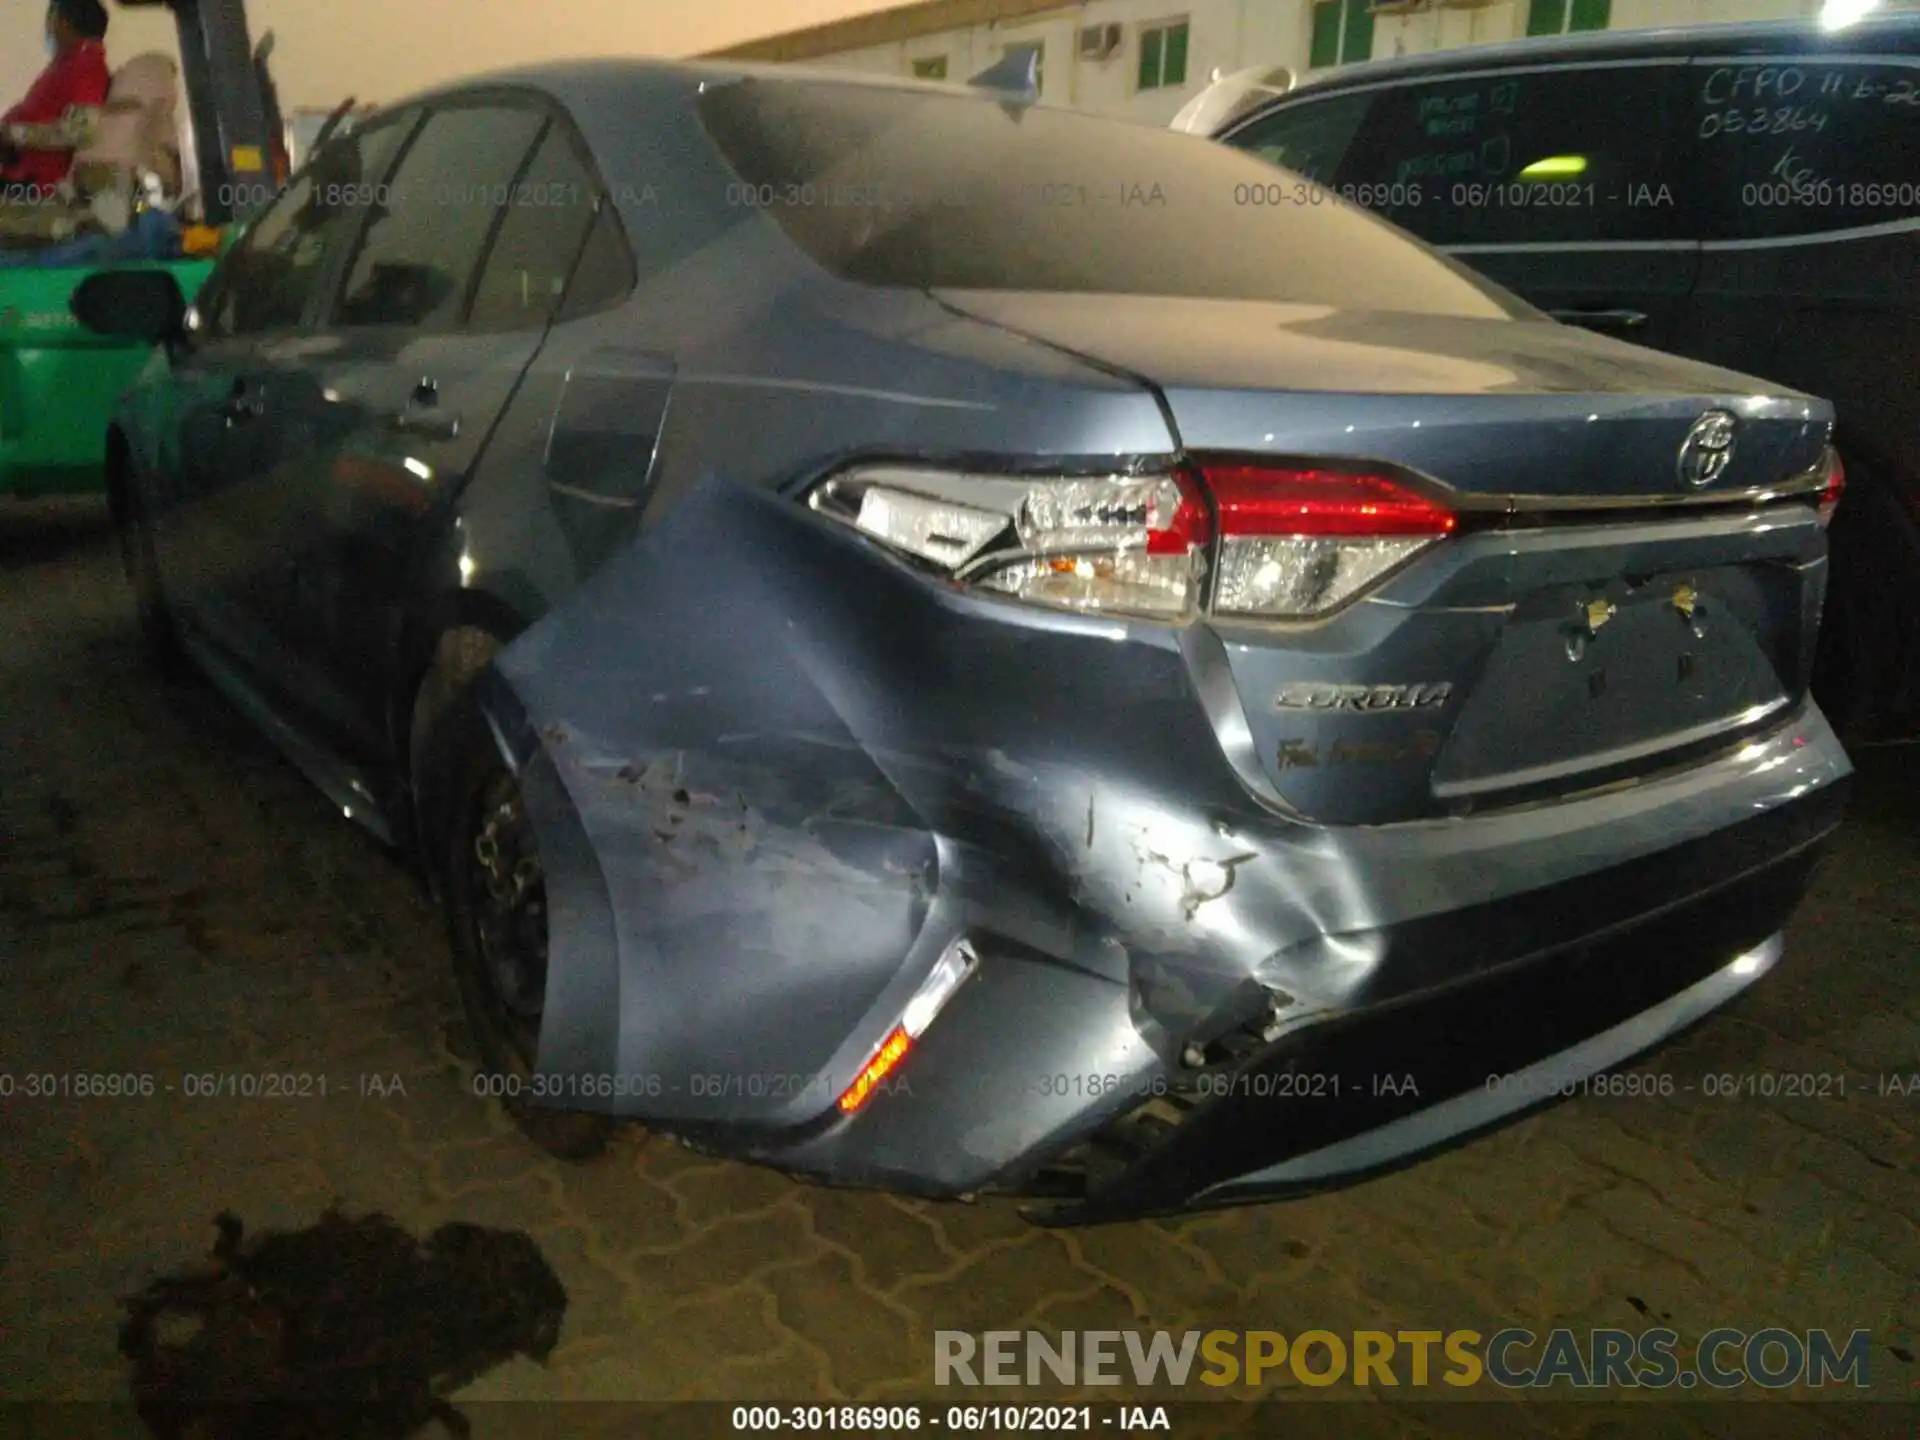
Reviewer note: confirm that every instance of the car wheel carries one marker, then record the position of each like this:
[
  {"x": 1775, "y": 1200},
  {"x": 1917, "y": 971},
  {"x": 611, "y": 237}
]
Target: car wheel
[
  {"x": 495, "y": 901},
  {"x": 157, "y": 635}
]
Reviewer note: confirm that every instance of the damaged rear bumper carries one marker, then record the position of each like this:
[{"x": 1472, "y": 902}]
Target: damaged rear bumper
[{"x": 1345, "y": 1094}]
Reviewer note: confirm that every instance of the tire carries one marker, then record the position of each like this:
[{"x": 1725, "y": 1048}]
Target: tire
[
  {"x": 158, "y": 638},
  {"x": 493, "y": 895}
]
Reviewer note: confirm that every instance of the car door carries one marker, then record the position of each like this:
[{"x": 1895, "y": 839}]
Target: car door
[
  {"x": 254, "y": 328},
  {"x": 1567, "y": 183},
  {"x": 219, "y": 568},
  {"x": 405, "y": 390},
  {"x": 580, "y": 436}
]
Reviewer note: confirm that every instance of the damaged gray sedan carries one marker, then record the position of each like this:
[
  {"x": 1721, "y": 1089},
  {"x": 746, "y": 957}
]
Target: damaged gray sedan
[{"x": 925, "y": 641}]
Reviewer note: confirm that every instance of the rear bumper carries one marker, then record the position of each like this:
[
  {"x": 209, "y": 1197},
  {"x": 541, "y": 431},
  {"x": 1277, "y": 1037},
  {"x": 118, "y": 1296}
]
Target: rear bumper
[
  {"x": 1366, "y": 1090},
  {"x": 1492, "y": 1010}
]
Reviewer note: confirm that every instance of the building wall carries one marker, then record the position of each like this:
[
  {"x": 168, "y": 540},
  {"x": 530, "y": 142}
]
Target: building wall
[
  {"x": 1230, "y": 35},
  {"x": 379, "y": 50}
]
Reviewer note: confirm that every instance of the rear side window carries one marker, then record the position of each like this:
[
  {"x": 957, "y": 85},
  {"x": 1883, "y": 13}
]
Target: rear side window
[
  {"x": 1312, "y": 138},
  {"x": 425, "y": 239},
  {"x": 547, "y": 214},
  {"x": 1580, "y": 154},
  {"x": 270, "y": 277},
  {"x": 1801, "y": 147},
  {"x": 898, "y": 187},
  {"x": 605, "y": 275}
]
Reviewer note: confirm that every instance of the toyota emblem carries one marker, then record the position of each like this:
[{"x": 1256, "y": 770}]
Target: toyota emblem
[{"x": 1708, "y": 449}]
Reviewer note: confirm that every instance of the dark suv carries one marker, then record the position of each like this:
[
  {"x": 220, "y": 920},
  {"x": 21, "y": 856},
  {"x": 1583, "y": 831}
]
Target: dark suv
[{"x": 1743, "y": 194}]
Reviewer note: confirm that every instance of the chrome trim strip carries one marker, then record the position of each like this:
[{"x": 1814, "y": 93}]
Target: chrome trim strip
[
  {"x": 1799, "y": 489},
  {"x": 576, "y": 493},
  {"x": 1767, "y": 59},
  {"x": 1664, "y": 62},
  {"x": 1557, "y": 247},
  {"x": 1818, "y": 237},
  {"x": 1772, "y": 242}
]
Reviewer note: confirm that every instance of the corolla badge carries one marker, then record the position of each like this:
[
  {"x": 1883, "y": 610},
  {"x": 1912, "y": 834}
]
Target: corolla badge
[
  {"x": 1363, "y": 698},
  {"x": 1708, "y": 449}
]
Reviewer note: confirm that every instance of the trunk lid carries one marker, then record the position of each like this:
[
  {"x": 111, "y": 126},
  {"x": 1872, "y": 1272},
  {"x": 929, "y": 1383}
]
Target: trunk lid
[
  {"x": 1490, "y": 406},
  {"x": 1616, "y": 599}
]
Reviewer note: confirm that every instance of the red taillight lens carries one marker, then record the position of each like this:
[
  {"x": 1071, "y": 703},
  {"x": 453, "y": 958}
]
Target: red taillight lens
[
  {"x": 1297, "y": 543},
  {"x": 1190, "y": 527},
  {"x": 1835, "y": 488},
  {"x": 1258, "y": 500}
]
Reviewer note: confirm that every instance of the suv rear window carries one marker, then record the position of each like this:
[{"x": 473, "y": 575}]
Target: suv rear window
[
  {"x": 1800, "y": 147},
  {"x": 908, "y": 188},
  {"x": 1520, "y": 157}
]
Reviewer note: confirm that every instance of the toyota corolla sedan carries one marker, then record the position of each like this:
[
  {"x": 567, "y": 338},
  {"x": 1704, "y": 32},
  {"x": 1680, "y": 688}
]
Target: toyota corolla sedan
[{"x": 924, "y": 642}]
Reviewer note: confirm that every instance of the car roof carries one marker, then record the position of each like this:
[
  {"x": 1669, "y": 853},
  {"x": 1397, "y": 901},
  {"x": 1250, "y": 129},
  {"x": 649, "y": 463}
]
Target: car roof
[
  {"x": 1897, "y": 33},
  {"x": 638, "y": 115},
  {"x": 605, "y": 89}
]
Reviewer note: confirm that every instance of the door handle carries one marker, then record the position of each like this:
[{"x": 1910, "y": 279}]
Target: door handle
[
  {"x": 431, "y": 427},
  {"x": 1605, "y": 319},
  {"x": 434, "y": 426}
]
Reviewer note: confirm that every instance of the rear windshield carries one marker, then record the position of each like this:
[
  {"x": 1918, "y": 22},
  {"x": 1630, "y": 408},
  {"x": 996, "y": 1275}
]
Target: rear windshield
[{"x": 900, "y": 187}]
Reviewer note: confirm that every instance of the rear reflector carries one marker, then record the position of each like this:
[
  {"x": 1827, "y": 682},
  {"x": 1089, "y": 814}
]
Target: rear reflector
[
  {"x": 891, "y": 1052},
  {"x": 956, "y": 963}
]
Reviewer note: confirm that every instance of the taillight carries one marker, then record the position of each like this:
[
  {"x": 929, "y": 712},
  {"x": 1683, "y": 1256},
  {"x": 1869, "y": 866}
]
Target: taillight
[
  {"x": 1294, "y": 543},
  {"x": 1119, "y": 544},
  {"x": 1836, "y": 486}
]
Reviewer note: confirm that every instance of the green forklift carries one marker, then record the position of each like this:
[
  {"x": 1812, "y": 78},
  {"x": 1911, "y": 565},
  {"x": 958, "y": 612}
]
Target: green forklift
[{"x": 60, "y": 382}]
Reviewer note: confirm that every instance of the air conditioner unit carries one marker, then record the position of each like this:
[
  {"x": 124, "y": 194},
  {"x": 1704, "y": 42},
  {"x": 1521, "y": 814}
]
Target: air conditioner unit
[
  {"x": 1100, "y": 42},
  {"x": 1398, "y": 7}
]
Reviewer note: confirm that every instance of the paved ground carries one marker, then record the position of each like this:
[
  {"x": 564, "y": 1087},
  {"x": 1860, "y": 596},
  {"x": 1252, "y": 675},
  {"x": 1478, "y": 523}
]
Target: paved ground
[{"x": 174, "y": 900}]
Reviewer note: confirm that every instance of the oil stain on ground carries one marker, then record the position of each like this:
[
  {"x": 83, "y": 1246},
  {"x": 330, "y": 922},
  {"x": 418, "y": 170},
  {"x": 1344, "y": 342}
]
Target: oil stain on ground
[{"x": 351, "y": 1329}]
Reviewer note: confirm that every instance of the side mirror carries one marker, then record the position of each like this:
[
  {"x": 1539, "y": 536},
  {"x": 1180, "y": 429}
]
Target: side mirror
[{"x": 131, "y": 305}]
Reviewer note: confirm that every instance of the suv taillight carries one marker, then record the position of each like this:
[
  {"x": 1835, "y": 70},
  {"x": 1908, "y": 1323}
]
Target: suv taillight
[
  {"x": 1836, "y": 486},
  {"x": 1293, "y": 543}
]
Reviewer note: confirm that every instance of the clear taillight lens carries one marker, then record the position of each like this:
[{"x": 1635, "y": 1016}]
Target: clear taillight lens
[
  {"x": 1293, "y": 543},
  {"x": 1298, "y": 543},
  {"x": 1835, "y": 488},
  {"x": 1121, "y": 544}
]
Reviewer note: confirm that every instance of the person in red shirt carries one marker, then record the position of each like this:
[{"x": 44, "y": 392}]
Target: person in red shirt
[{"x": 77, "y": 75}]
